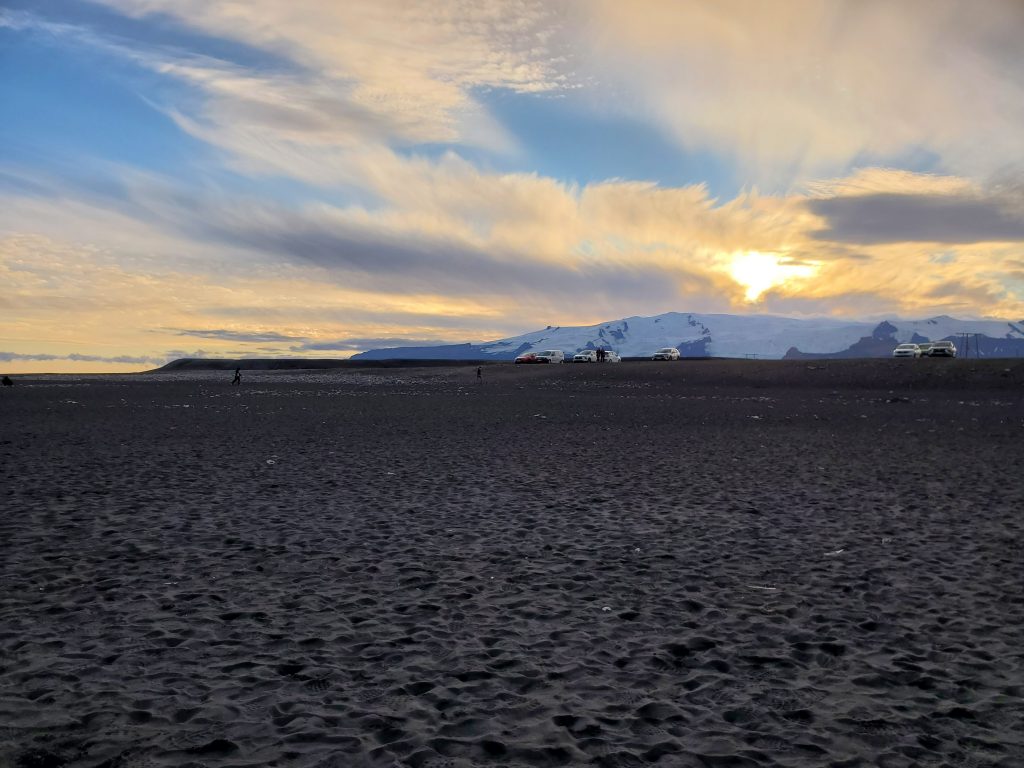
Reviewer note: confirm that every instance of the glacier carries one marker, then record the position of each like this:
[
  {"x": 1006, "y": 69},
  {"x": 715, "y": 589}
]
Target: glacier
[{"x": 722, "y": 335}]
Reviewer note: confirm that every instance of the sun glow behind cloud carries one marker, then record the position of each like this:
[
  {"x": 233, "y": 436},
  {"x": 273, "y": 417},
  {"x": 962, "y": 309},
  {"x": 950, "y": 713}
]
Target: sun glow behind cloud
[{"x": 758, "y": 272}]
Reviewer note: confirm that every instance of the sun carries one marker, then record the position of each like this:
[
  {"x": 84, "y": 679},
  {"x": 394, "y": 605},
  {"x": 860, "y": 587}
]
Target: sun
[{"x": 757, "y": 272}]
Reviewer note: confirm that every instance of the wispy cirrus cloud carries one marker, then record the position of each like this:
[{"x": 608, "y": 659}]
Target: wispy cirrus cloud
[
  {"x": 365, "y": 73},
  {"x": 788, "y": 92},
  {"x": 798, "y": 90}
]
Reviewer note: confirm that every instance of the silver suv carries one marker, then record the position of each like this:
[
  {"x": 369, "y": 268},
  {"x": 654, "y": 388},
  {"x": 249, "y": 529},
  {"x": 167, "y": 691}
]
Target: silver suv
[{"x": 942, "y": 349}]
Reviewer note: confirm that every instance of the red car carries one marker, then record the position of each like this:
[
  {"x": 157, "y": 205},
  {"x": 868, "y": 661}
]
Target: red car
[{"x": 529, "y": 357}]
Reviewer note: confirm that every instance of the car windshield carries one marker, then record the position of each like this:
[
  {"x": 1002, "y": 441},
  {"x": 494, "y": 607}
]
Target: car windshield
[
  {"x": 906, "y": 346},
  {"x": 669, "y": 350}
]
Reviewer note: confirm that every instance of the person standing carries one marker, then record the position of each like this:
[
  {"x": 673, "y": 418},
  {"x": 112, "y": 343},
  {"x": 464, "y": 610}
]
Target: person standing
[{"x": 479, "y": 375}]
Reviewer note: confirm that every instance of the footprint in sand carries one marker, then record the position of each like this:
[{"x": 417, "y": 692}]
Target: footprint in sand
[
  {"x": 876, "y": 730},
  {"x": 770, "y": 744},
  {"x": 184, "y": 740},
  {"x": 318, "y": 685}
]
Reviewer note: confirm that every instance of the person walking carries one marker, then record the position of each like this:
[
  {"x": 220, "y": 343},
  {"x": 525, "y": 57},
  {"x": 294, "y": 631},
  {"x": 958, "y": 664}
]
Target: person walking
[
  {"x": 479, "y": 375},
  {"x": 238, "y": 377}
]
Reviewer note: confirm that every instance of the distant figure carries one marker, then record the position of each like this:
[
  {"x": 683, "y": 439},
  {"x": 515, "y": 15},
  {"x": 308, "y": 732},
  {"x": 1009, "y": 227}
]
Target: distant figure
[
  {"x": 7, "y": 381},
  {"x": 600, "y": 354},
  {"x": 238, "y": 377},
  {"x": 479, "y": 374}
]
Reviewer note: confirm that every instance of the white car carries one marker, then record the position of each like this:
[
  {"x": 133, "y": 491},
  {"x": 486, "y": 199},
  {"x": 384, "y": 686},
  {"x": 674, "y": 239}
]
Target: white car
[
  {"x": 666, "y": 353},
  {"x": 585, "y": 356},
  {"x": 551, "y": 356},
  {"x": 907, "y": 350},
  {"x": 611, "y": 357}
]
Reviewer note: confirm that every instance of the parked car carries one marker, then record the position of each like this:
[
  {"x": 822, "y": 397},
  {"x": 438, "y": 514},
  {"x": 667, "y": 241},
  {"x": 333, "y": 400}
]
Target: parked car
[
  {"x": 585, "y": 356},
  {"x": 611, "y": 357},
  {"x": 907, "y": 350},
  {"x": 666, "y": 353},
  {"x": 527, "y": 357},
  {"x": 942, "y": 349},
  {"x": 551, "y": 356},
  {"x": 925, "y": 347}
]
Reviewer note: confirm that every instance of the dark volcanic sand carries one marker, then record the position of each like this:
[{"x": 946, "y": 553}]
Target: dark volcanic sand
[{"x": 685, "y": 564}]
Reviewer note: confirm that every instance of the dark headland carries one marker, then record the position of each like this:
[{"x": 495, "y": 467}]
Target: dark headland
[
  {"x": 706, "y": 563},
  {"x": 296, "y": 364}
]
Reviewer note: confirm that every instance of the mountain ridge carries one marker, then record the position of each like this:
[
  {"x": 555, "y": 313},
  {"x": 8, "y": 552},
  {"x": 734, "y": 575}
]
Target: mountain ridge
[{"x": 722, "y": 335}]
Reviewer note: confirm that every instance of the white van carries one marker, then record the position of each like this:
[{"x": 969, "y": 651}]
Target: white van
[{"x": 551, "y": 356}]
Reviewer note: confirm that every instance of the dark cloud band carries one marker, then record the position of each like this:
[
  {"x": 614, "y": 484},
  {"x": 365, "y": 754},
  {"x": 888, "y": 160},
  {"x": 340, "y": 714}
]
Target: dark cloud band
[
  {"x": 11, "y": 356},
  {"x": 225, "y": 335},
  {"x": 895, "y": 218}
]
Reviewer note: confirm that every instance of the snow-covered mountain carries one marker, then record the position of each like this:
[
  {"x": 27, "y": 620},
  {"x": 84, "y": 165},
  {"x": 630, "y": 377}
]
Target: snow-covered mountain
[{"x": 763, "y": 336}]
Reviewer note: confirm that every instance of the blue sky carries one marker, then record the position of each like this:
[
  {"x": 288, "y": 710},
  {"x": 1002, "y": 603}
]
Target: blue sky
[
  {"x": 302, "y": 173},
  {"x": 74, "y": 102}
]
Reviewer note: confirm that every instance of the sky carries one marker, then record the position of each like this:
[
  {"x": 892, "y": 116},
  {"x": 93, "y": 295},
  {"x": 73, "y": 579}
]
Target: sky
[{"x": 314, "y": 178}]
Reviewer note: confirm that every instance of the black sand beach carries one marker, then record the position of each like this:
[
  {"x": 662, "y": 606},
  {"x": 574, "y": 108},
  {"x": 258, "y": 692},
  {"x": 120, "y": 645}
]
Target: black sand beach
[{"x": 718, "y": 563}]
